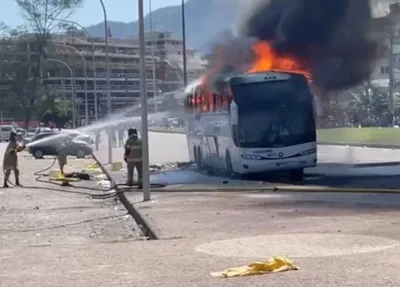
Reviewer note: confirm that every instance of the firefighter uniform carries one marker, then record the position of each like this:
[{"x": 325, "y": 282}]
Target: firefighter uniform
[
  {"x": 62, "y": 156},
  {"x": 10, "y": 160},
  {"x": 133, "y": 158}
]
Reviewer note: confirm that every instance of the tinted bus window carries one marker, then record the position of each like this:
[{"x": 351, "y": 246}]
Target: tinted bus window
[{"x": 274, "y": 114}]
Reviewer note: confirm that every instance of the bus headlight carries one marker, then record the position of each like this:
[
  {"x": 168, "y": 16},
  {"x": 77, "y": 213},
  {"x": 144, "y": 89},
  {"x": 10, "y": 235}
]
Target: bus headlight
[
  {"x": 310, "y": 151},
  {"x": 251, "y": 157}
]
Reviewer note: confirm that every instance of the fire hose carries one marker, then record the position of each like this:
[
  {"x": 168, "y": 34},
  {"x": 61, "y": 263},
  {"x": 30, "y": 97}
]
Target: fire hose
[{"x": 111, "y": 192}]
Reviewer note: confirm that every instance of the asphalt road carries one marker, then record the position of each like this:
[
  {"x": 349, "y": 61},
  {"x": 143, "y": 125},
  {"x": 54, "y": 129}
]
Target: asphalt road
[
  {"x": 56, "y": 239},
  {"x": 334, "y": 167},
  {"x": 164, "y": 147}
]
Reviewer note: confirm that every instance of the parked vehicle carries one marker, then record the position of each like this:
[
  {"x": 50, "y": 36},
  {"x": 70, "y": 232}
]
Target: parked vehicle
[
  {"x": 48, "y": 143},
  {"x": 5, "y": 131},
  {"x": 77, "y": 135}
]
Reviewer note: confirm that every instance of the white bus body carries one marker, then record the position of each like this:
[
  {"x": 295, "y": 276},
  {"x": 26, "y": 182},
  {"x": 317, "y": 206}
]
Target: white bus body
[{"x": 256, "y": 130}]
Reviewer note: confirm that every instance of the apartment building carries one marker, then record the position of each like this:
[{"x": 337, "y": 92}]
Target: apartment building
[
  {"x": 124, "y": 75},
  {"x": 87, "y": 60},
  {"x": 169, "y": 50}
]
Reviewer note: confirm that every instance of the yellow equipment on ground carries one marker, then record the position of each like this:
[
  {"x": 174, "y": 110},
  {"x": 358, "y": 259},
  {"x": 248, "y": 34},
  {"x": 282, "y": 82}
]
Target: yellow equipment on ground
[{"x": 116, "y": 166}]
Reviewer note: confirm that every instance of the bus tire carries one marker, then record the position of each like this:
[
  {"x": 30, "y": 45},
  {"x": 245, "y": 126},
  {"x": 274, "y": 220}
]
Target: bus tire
[{"x": 296, "y": 175}]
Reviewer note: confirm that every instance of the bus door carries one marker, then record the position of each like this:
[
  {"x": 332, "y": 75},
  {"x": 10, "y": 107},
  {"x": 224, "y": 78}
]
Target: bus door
[
  {"x": 212, "y": 148},
  {"x": 235, "y": 151}
]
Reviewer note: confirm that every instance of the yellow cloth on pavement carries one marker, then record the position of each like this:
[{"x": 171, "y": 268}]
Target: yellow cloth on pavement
[
  {"x": 92, "y": 166},
  {"x": 61, "y": 178},
  {"x": 273, "y": 265}
]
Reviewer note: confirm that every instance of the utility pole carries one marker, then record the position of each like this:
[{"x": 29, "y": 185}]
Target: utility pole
[
  {"x": 143, "y": 97},
  {"x": 184, "y": 44},
  {"x": 110, "y": 130},
  {"x": 391, "y": 72}
]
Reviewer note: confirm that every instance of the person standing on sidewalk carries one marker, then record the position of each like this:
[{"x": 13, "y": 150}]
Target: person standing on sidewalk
[
  {"x": 10, "y": 160},
  {"x": 121, "y": 135},
  {"x": 62, "y": 156},
  {"x": 133, "y": 156},
  {"x": 97, "y": 138}
]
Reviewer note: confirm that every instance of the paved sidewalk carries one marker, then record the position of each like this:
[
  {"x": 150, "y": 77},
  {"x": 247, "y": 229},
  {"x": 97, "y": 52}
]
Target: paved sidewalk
[{"x": 52, "y": 238}]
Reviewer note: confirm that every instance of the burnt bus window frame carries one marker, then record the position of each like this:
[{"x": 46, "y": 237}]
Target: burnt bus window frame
[{"x": 200, "y": 101}]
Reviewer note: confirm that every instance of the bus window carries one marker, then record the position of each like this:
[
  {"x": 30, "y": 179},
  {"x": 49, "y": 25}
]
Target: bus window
[
  {"x": 225, "y": 102},
  {"x": 198, "y": 102},
  {"x": 187, "y": 103},
  {"x": 218, "y": 102},
  {"x": 212, "y": 102},
  {"x": 190, "y": 103},
  {"x": 204, "y": 102}
]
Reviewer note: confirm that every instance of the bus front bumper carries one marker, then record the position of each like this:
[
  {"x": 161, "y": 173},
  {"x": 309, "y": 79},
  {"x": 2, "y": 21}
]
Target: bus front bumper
[{"x": 259, "y": 166}]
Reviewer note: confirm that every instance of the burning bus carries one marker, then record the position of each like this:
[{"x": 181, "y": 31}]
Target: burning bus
[{"x": 253, "y": 123}]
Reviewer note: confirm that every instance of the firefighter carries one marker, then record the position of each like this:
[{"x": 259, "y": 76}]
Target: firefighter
[
  {"x": 62, "y": 155},
  {"x": 10, "y": 160},
  {"x": 133, "y": 156}
]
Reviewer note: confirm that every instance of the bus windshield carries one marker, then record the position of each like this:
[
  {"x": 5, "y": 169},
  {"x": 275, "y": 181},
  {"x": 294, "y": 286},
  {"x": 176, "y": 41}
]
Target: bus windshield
[{"x": 274, "y": 114}]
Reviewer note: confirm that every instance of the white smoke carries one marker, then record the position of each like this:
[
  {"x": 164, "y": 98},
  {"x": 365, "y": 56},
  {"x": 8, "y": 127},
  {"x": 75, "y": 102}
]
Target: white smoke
[{"x": 380, "y": 8}]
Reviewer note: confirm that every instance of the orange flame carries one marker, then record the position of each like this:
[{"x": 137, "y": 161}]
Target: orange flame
[{"x": 267, "y": 59}]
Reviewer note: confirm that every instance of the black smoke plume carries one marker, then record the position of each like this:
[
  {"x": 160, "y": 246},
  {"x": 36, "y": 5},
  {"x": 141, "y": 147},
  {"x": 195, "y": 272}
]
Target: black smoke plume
[{"x": 333, "y": 37}]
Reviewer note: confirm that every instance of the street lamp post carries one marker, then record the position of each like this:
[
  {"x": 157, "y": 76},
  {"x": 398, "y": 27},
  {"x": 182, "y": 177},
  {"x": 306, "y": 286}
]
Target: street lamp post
[
  {"x": 153, "y": 60},
  {"x": 184, "y": 44},
  {"x": 73, "y": 87},
  {"x": 143, "y": 96},
  {"x": 110, "y": 130},
  {"x": 85, "y": 76},
  {"x": 96, "y": 112}
]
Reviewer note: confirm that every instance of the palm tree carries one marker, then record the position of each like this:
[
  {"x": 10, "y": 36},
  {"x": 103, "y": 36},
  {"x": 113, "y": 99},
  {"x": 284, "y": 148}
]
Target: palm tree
[{"x": 369, "y": 103}]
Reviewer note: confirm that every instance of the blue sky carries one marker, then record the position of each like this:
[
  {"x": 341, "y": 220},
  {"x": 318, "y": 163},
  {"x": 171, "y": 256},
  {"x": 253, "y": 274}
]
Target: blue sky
[{"x": 90, "y": 13}]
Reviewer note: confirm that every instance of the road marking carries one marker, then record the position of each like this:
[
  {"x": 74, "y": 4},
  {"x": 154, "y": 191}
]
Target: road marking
[{"x": 297, "y": 245}]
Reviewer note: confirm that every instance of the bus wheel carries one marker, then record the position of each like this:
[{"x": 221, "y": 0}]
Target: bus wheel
[
  {"x": 296, "y": 175},
  {"x": 229, "y": 166}
]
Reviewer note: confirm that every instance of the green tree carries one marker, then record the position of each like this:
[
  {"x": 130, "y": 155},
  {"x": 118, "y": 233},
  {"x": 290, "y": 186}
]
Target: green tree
[
  {"x": 369, "y": 102},
  {"x": 24, "y": 72},
  {"x": 51, "y": 107}
]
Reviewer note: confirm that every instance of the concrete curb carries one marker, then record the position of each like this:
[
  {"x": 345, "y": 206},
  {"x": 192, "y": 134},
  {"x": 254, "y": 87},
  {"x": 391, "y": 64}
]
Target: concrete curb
[
  {"x": 166, "y": 132},
  {"x": 147, "y": 230},
  {"x": 383, "y": 146},
  {"x": 361, "y": 165},
  {"x": 280, "y": 188}
]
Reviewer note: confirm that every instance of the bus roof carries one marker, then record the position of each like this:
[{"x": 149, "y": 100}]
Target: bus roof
[{"x": 246, "y": 78}]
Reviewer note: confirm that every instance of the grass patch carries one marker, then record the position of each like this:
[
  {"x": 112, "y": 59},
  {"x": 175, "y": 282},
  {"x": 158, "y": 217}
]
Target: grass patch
[
  {"x": 171, "y": 130},
  {"x": 384, "y": 136},
  {"x": 373, "y": 136}
]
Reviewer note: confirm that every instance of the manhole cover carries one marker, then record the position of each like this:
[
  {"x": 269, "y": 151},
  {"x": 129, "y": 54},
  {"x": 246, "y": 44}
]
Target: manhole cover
[{"x": 296, "y": 245}]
